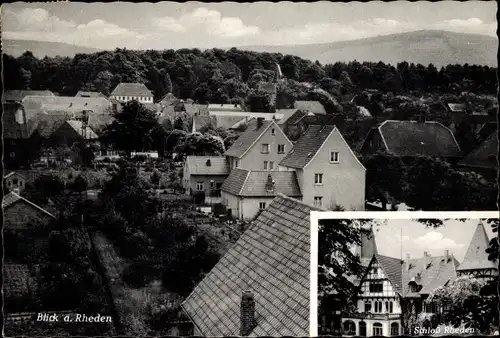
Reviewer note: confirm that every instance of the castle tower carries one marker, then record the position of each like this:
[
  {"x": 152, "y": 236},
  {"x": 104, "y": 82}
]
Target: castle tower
[
  {"x": 367, "y": 249},
  {"x": 475, "y": 262}
]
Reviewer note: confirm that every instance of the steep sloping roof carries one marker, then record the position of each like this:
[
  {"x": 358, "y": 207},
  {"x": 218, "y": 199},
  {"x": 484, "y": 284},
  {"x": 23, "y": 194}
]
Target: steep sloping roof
[
  {"x": 286, "y": 113},
  {"x": 248, "y": 138},
  {"x": 430, "y": 272},
  {"x": 196, "y": 109},
  {"x": 485, "y": 156},
  {"x": 241, "y": 182},
  {"x": 313, "y": 106},
  {"x": 19, "y": 95},
  {"x": 476, "y": 257},
  {"x": 12, "y": 198},
  {"x": 307, "y": 146},
  {"x": 14, "y": 173},
  {"x": 169, "y": 98},
  {"x": 392, "y": 270},
  {"x": 78, "y": 127},
  {"x": 15, "y": 125},
  {"x": 207, "y": 165},
  {"x": 271, "y": 258},
  {"x": 131, "y": 89},
  {"x": 411, "y": 138},
  {"x": 82, "y": 93}
]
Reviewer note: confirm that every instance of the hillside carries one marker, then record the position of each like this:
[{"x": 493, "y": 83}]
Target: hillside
[
  {"x": 438, "y": 47},
  {"x": 43, "y": 48}
]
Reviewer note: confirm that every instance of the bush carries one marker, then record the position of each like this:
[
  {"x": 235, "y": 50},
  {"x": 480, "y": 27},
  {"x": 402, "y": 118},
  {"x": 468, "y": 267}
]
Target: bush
[{"x": 138, "y": 274}]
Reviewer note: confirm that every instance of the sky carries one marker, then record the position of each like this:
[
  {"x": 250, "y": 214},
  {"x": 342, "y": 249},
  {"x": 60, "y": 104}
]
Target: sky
[
  {"x": 206, "y": 25},
  {"x": 454, "y": 236}
]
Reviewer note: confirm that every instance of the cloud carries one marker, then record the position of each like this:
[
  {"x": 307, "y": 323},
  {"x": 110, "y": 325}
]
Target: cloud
[
  {"x": 471, "y": 25},
  {"x": 210, "y": 22},
  {"x": 39, "y": 24},
  {"x": 434, "y": 240}
]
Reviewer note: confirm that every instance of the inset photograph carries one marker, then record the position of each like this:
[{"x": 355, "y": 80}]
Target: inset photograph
[{"x": 407, "y": 274}]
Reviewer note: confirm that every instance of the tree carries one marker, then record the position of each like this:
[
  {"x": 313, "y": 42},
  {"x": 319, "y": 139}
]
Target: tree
[
  {"x": 258, "y": 101},
  {"x": 168, "y": 83},
  {"x": 179, "y": 123},
  {"x": 102, "y": 82},
  {"x": 79, "y": 185},
  {"x": 132, "y": 128},
  {"x": 200, "y": 145},
  {"x": 43, "y": 188},
  {"x": 337, "y": 264}
]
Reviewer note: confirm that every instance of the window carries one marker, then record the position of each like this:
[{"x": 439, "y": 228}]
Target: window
[
  {"x": 262, "y": 205},
  {"x": 273, "y": 132},
  {"x": 376, "y": 287},
  {"x": 9, "y": 183},
  {"x": 271, "y": 165},
  {"x": 14, "y": 181},
  {"x": 12, "y": 154},
  {"x": 391, "y": 307},
  {"x": 377, "y": 329},
  {"x": 334, "y": 157},
  {"x": 212, "y": 184},
  {"x": 318, "y": 201},
  {"x": 368, "y": 306},
  {"x": 281, "y": 148},
  {"x": 394, "y": 329},
  {"x": 430, "y": 307},
  {"x": 264, "y": 148},
  {"x": 237, "y": 164},
  {"x": 378, "y": 307},
  {"x": 199, "y": 186},
  {"x": 349, "y": 328},
  {"x": 318, "y": 178},
  {"x": 265, "y": 165}
]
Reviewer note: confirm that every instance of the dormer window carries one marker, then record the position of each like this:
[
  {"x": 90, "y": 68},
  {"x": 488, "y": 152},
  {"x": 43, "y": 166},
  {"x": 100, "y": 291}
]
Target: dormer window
[{"x": 273, "y": 132}]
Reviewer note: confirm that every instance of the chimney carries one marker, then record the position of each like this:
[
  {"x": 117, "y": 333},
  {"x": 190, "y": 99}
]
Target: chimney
[
  {"x": 247, "y": 313},
  {"x": 408, "y": 265},
  {"x": 447, "y": 255},
  {"x": 260, "y": 122}
]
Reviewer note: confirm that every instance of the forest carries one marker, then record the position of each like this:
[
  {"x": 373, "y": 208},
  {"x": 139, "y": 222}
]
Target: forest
[{"x": 220, "y": 76}]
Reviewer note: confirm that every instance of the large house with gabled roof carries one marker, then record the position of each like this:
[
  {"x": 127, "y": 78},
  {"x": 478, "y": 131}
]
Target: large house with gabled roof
[
  {"x": 125, "y": 92},
  {"x": 328, "y": 172},
  {"x": 261, "y": 286},
  {"x": 204, "y": 174},
  {"x": 391, "y": 289},
  {"x": 261, "y": 147}
]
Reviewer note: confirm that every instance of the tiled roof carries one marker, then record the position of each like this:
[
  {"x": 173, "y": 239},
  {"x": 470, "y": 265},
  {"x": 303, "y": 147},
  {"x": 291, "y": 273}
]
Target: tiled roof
[
  {"x": 11, "y": 198},
  {"x": 457, "y": 107},
  {"x": 485, "y": 156},
  {"x": 476, "y": 256},
  {"x": 48, "y": 124},
  {"x": 14, "y": 124},
  {"x": 430, "y": 272},
  {"x": 132, "y": 89},
  {"x": 19, "y": 95},
  {"x": 89, "y": 94},
  {"x": 168, "y": 98},
  {"x": 312, "y": 106},
  {"x": 225, "y": 107},
  {"x": 196, "y": 109},
  {"x": 198, "y": 165},
  {"x": 298, "y": 116},
  {"x": 411, "y": 138},
  {"x": 235, "y": 181},
  {"x": 392, "y": 270},
  {"x": 248, "y": 138},
  {"x": 78, "y": 127},
  {"x": 271, "y": 258},
  {"x": 226, "y": 122},
  {"x": 287, "y": 113},
  {"x": 255, "y": 183},
  {"x": 14, "y": 173},
  {"x": 307, "y": 146},
  {"x": 66, "y": 104}
]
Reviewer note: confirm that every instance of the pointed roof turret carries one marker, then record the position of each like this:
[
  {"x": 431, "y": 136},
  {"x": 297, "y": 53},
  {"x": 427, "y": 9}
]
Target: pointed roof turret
[
  {"x": 278, "y": 74},
  {"x": 476, "y": 257},
  {"x": 368, "y": 247}
]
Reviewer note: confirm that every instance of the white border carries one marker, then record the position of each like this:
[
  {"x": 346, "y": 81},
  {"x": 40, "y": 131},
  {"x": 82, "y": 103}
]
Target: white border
[{"x": 410, "y": 215}]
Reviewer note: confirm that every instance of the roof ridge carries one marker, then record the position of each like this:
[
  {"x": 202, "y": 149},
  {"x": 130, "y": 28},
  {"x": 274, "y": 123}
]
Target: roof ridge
[
  {"x": 29, "y": 202},
  {"x": 299, "y": 202}
]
